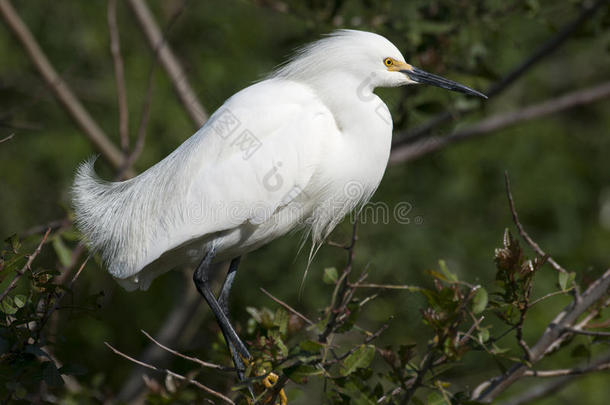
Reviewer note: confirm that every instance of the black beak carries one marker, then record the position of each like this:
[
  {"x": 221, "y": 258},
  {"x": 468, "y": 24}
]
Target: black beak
[{"x": 420, "y": 76}]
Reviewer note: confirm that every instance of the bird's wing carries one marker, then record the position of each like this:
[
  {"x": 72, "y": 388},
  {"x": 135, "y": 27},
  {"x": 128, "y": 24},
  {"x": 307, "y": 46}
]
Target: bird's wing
[
  {"x": 257, "y": 153},
  {"x": 262, "y": 149}
]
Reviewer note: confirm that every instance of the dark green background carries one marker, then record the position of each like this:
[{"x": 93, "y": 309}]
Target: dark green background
[{"x": 558, "y": 165}]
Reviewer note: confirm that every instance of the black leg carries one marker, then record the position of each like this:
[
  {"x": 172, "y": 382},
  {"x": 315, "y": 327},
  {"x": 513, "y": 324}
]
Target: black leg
[
  {"x": 223, "y": 301},
  {"x": 223, "y": 298},
  {"x": 201, "y": 279}
]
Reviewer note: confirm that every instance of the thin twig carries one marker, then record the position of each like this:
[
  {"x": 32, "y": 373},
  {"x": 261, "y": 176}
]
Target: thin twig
[
  {"x": 383, "y": 286},
  {"x": 60, "y": 88},
  {"x": 8, "y": 138},
  {"x": 142, "y": 128},
  {"x": 170, "y": 63},
  {"x": 522, "y": 231},
  {"x": 341, "y": 295},
  {"x": 544, "y": 297},
  {"x": 544, "y": 390},
  {"x": 171, "y": 373},
  {"x": 119, "y": 75},
  {"x": 586, "y": 332},
  {"x": 184, "y": 356},
  {"x": 565, "y": 371},
  {"x": 288, "y": 307},
  {"x": 26, "y": 267}
]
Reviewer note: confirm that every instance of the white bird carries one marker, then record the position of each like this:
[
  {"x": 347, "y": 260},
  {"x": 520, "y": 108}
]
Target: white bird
[{"x": 302, "y": 148}]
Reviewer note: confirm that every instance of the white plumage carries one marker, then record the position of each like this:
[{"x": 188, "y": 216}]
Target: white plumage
[{"x": 300, "y": 149}]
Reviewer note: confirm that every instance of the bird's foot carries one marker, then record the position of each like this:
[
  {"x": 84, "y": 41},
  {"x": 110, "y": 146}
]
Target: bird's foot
[{"x": 269, "y": 382}]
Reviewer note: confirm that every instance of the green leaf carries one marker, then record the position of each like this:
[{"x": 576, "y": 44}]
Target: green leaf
[
  {"x": 7, "y": 306},
  {"x": 281, "y": 320},
  {"x": 20, "y": 300},
  {"x": 311, "y": 346},
  {"x": 61, "y": 250},
  {"x": 299, "y": 373},
  {"x": 445, "y": 270},
  {"x": 14, "y": 242},
  {"x": 436, "y": 399},
  {"x": 566, "y": 280},
  {"x": 479, "y": 301},
  {"x": 330, "y": 275},
  {"x": 362, "y": 357}
]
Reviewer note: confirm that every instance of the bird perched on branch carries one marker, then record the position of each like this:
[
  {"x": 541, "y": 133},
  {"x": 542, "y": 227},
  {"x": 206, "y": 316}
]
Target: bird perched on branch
[{"x": 300, "y": 149}]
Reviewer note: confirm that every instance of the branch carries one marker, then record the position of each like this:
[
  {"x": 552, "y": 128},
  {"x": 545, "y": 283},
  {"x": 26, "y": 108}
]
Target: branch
[
  {"x": 170, "y": 63},
  {"x": 60, "y": 88},
  {"x": 27, "y": 266},
  {"x": 554, "y": 333},
  {"x": 142, "y": 128},
  {"x": 288, "y": 307},
  {"x": 522, "y": 231},
  {"x": 119, "y": 75},
  {"x": 184, "y": 356},
  {"x": 172, "y": 328},
  {"x": 538, "y": 55},
  {"x": 173, "y": 374},
  {"x": 8, "y": 138},
  {"x": 543, "y": 390},
  {"x": 500, "y": 121}
]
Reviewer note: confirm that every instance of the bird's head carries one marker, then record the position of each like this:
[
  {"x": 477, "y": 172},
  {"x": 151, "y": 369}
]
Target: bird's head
[{"x": 369, "y": 58}]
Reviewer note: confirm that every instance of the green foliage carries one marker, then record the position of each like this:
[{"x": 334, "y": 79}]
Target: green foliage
[{"x": 559, "y": 163}]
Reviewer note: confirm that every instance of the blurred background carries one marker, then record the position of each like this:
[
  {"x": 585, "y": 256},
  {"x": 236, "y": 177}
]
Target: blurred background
[{"x": 456, "y": 202}]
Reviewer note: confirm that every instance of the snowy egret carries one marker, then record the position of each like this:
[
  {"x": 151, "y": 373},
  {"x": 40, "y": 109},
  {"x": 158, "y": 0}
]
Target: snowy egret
[{"x": 302, "y": 148}]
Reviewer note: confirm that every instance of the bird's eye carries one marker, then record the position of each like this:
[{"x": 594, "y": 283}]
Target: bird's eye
[{"x": 388, "y": 62}]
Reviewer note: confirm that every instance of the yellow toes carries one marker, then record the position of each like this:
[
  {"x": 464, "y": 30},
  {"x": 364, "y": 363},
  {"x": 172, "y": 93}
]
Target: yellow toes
[{"x": 269, "y": 381}]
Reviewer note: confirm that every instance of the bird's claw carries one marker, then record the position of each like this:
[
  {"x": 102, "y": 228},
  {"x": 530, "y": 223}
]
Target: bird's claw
[{"x": 269, "y": 382}]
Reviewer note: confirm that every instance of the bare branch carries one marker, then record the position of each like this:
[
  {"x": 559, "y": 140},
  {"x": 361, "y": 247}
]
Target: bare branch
[
  {"x": 171, "y": 373},
  {"x": 172, "y": 327},
  {"x": 383, "y": 286},
  {"x": 60, "y": 88},
  {"x": 8, "y": 138},
  {"x": 119, "y": 75},
  {"x": 500, "y": 121},
  {"x": 553, "y": 334},
  {"x": 538, "y": 55},
  {"x": 543, "y": 390},
  {"x": 587, "y": 332},
  {"x": 142, "y": 128},
  {"x": 288, "y": 307},
  {"x": 522, "y": 231},
  {"x": 170, "y": 63},
  {"x": 26, "y": 267},
  {"x": 184, "y": 356}
]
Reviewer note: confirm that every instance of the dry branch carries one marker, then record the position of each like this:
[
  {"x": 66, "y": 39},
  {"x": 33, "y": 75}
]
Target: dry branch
[
  {"x": 184, "y": 356},
  {"x": 501, "y": 121},
  {"x": 543, "y": 390},
  {"x": 288, "y": 307},
  {"x": 119, "y": 75},
  {"x": 554, "y": 333},
  {"x": 173, "y": 374},
  {"x": 60, "y": 88},
  {"x": 523, "y": 233},
  {"x": 168, "y": 60}
]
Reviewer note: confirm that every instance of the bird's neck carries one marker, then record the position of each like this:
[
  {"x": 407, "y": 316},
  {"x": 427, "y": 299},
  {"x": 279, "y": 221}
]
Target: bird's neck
[{"x": 350, "y": 99}]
